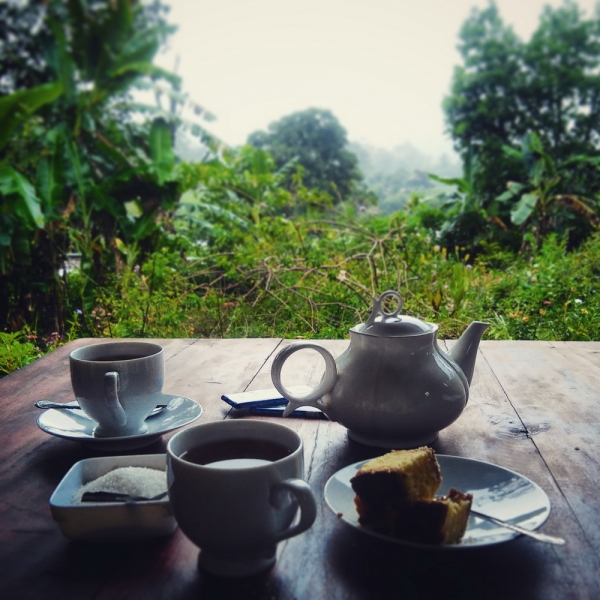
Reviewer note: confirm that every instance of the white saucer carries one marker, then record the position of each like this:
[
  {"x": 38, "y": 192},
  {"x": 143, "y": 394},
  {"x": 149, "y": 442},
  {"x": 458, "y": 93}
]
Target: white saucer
[
  {"x": 75, "y": 425},
  {"x": 497, "y": 492}
]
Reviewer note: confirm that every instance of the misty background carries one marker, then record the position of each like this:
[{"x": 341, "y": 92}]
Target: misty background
[{"x": 383, "y": 68}]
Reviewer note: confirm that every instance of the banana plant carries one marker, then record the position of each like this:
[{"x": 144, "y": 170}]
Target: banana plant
[
  {"x": 77, "y": 174},
  {"x": 466, "y": 219},
  {"x": 21, "y": 211},
  {"x": 537, "y": 204},
  {"x": 117, "y": 166}
]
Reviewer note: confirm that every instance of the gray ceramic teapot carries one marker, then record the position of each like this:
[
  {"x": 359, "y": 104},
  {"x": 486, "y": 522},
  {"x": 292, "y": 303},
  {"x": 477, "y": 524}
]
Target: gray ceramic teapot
[{"x": 392, "y": 387}]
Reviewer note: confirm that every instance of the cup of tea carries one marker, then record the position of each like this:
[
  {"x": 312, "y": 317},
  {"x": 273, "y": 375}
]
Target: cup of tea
[
  {"x": 118, "y": 384},
  {"x": 235, "y": 488}
]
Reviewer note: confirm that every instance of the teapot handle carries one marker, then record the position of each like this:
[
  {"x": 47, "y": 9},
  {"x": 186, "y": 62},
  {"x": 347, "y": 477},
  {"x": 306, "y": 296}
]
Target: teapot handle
[
  {"x": 379, "y": 310},
  {"x": 325, "y": 386}
]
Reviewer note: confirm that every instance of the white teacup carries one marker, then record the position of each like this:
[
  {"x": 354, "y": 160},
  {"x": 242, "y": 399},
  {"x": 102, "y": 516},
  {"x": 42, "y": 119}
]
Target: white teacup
[
  {"x": 118, "y": 384},
  {"x": 235, "y": 487}
]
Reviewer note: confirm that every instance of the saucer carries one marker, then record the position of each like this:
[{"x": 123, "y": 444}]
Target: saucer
[
  {"x": 497, "y": 492},
  {"x": 77, "y": 426}
]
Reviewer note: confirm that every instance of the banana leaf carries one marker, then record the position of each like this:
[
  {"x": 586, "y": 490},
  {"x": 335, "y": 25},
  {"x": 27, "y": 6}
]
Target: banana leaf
[
  {"x": 21, "y": 194},
  {"x": 523, "y": 209},
  {"x": 18, "y": 107}
]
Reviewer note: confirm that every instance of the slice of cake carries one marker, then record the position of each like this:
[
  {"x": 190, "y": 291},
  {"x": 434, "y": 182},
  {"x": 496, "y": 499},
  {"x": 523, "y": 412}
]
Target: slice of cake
[
  {"x": 395, "y": 495},
  {"x": 440, "y": 521},
  {"x": 399, "y": 476}
]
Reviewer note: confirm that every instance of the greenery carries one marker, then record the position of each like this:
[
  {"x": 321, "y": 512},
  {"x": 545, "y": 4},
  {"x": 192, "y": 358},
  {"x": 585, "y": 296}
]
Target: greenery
[
  {"x": 512, "y": 101},
  {"x": 84, "y": 173},
  {"x": 314, "y": 140},
  {"x": 16, "y": 351},
  {"x": 280, "y": 237},
  {"x": 314, "y": 278}
]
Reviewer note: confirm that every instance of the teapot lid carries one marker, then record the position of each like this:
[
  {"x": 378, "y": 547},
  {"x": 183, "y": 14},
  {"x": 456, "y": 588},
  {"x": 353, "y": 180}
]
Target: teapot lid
[{"x": 390, "y": 324}]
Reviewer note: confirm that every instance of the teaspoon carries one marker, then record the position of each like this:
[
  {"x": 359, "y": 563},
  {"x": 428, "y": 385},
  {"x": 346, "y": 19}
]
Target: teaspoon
[
  {"x": 540, "y": 537},
  {"x": 59, "y": 405}
]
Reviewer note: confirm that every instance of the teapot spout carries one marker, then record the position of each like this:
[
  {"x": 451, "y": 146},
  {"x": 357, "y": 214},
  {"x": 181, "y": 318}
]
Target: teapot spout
[{"x": 464, "y": 352}]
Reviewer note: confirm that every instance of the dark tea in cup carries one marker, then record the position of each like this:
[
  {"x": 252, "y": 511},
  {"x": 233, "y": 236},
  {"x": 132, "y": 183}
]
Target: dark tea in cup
[
  {"x": 235, "y": 487},
  {"x": 118, "y": 357},
  {"x": 237, "y": 453}
]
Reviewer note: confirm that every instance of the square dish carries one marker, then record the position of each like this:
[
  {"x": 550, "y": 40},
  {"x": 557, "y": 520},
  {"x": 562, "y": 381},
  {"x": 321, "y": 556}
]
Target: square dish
[{"x": 110, "y": 521}]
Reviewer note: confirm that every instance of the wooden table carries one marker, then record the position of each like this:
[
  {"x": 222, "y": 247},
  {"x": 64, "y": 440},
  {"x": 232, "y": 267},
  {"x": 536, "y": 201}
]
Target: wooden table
[{"x": 534, "y": 408}]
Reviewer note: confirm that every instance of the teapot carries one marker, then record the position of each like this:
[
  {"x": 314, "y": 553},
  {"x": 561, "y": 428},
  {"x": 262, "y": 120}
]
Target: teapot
[{"x": 392, "y": 387}]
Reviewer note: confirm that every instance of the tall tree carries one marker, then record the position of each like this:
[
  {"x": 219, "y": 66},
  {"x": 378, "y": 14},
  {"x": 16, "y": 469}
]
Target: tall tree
[
  {"x": 82, "y": 172},
  {"x": 508, "y": 88},
  {"x": 316, "y": 141}
]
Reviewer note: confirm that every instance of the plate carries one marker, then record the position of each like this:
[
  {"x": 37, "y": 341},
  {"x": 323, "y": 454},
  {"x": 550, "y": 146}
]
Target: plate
[
  {"x": 77, "y": 426},
  {"x": 497, "y": 492}
]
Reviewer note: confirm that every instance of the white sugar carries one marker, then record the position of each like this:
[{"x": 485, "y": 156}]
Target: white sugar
[{"x": 135, "y": 481}]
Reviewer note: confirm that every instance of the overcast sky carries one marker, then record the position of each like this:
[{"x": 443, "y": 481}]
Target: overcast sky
[{"x": 382, "y": 67}]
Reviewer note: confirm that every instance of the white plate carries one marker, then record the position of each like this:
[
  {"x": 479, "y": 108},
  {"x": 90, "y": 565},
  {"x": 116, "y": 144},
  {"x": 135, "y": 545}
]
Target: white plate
[
  {"x": 75, "y": 425},
  {"x": 497, "y": 492}
]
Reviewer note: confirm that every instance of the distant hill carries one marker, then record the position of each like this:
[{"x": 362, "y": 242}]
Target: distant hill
[{"x": 394, "y": 174}]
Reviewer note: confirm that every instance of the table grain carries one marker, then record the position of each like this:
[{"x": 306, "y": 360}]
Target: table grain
[{"x": 534, "y": 408}]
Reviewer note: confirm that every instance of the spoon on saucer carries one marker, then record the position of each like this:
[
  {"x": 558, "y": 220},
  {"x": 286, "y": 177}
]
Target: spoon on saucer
[
  {"x": 50, "y": 404},
  {"x": 59, "y": 405}
]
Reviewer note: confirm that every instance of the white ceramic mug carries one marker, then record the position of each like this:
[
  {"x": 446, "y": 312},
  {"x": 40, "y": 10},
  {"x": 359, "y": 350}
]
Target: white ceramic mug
[
  {"x": 118, "y": 384},
  {"x": 239, "y": 496}
]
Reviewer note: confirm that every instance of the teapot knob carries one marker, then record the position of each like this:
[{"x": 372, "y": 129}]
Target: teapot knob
[{"x": 379, "y": 310}]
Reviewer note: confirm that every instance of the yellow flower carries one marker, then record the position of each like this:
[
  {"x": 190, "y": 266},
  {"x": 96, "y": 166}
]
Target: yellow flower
[
  {"x": 584, "y": 311},
  {"x": 542, "y": 312}
]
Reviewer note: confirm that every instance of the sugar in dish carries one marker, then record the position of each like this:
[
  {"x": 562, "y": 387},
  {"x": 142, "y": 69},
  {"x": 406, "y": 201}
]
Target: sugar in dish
[
  {"x": 134, "y": 481},
  {"x": 104, "y": 521}
]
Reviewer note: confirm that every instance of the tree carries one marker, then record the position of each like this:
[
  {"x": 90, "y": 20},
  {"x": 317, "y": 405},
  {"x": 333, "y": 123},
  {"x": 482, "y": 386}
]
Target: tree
[
  {"x": 77, "y": 169},
  {"x": 314, "y": 140},
  {"x": 507, "y": 89}
]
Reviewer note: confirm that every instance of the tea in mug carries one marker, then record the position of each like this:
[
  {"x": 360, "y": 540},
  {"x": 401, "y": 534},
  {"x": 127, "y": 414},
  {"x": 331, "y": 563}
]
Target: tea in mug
[
  {"x": 236, "y": 453},
  {"x": 118, "y": 357}
]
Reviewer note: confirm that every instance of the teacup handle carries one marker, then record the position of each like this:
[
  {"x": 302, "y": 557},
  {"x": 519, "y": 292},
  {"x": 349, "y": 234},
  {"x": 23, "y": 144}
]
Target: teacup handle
[
  {"x": 325, "y": 386},
  {"x": 306, "y": 500},
  {"x": 111, "y": 397}
]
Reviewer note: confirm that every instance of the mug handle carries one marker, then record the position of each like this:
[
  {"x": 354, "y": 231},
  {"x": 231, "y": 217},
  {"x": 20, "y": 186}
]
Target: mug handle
[
  {"x": 306, "y": 500},
  {"x": 326, "y": 385},
  {"x": 111, "y": 397}
]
